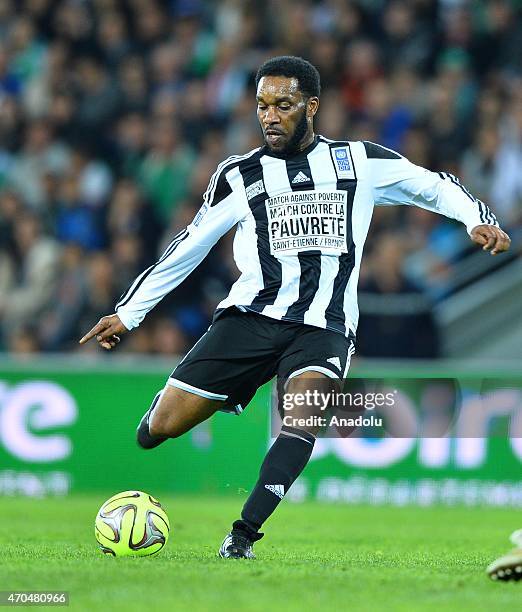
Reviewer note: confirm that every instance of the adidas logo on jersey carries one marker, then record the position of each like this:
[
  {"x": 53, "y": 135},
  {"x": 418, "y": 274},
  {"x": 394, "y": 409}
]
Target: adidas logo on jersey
[
  {"x": 335, "y": 361},
  {"x": 300, "y": 177},
  {"x": 278, "y": 490}
]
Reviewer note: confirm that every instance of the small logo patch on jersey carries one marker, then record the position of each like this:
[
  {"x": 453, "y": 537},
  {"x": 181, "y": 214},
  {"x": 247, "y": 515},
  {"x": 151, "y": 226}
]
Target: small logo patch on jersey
[
  {"x": 278, "y": 490},
  {"x": 200, "y": 214},
  {"x": 255, "y": 189},
  {"x": 335, "y": 361},
  {"x": 300, "y": 178},
  {"x": 343, "y": 166}
]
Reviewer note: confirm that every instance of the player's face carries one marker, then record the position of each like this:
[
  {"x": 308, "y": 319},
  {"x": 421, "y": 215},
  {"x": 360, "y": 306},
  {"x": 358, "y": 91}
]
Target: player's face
[{"x": 285, "y": 115}]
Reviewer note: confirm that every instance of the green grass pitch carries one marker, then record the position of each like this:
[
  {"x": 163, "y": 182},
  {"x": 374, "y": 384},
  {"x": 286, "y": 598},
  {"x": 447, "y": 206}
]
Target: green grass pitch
[{"x": 313, "y": 557}]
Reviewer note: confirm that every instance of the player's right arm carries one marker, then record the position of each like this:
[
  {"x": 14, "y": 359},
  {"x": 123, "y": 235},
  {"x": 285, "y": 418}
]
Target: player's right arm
[{"x": 223, "y": 206}]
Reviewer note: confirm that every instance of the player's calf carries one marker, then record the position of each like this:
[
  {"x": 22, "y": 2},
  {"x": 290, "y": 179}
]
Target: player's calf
[{"x": 178, "y": 411}]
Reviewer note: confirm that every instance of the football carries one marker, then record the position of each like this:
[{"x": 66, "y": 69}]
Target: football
[{"x": 131, "y": 523}]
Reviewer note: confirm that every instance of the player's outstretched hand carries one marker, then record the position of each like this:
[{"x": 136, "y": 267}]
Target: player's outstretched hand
[
  {"x": 491, "y": 238},
  {"x": 107, "y": 332}
]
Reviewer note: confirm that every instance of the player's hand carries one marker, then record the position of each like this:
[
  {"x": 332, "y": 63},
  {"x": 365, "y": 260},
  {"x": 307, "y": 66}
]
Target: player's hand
[
  {"x": 490, "y": 238},
  {"x": 107, "y": 332}
]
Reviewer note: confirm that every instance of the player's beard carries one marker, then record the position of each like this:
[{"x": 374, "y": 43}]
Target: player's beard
[{"x": 292, "y": 148}]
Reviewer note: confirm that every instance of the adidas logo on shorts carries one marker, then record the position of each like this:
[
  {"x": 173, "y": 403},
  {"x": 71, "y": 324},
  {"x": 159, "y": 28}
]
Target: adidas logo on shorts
[{"x": 335, "y": 361}]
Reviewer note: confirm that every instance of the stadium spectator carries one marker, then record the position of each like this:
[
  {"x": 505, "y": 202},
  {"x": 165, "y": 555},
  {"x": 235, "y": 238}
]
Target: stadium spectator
[
  {"x": 39, "y": 155},
  {"x": 164, "y": 172},
  {"x": 395, "y": 316},
  {"x": 36, "y": 259}
]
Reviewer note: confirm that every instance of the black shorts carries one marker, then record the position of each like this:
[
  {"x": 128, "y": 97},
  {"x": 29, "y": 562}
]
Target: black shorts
[{"x": 243, "y": 350}]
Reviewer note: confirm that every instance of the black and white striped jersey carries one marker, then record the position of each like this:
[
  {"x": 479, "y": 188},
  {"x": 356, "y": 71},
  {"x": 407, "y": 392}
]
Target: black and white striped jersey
[{"x": 301, "y": 227}]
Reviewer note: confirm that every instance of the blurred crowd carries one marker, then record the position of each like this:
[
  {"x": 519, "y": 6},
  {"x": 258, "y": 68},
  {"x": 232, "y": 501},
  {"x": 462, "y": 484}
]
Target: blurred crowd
[{"x": 114, "y": 114}]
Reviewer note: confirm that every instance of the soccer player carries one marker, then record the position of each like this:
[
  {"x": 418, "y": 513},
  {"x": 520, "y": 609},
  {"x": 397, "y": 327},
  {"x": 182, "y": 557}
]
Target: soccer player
[{"x": 302, "y": 205}]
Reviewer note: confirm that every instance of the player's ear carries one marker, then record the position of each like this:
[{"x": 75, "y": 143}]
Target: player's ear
[{"x": 312, "y": 106}]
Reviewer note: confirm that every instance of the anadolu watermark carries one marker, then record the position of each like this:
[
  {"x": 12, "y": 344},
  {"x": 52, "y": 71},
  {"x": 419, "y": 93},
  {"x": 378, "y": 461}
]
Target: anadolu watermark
[
  {"x": 399, "y": 407},
  {"x": 333, "y": 407}
]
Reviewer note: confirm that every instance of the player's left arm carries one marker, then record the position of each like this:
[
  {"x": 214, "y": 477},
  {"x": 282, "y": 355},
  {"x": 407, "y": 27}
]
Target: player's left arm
[
  {"x": 221, "y": 210},
  {"x": 397, "y": 181}
]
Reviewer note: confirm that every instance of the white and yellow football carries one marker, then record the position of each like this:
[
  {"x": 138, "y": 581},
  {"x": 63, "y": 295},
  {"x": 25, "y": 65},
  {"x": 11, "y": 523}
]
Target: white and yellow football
[{"x": 132, "y": 523}]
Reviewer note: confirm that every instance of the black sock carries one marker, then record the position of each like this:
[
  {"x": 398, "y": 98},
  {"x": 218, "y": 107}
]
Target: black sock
[{"x": 283, "y": 463}]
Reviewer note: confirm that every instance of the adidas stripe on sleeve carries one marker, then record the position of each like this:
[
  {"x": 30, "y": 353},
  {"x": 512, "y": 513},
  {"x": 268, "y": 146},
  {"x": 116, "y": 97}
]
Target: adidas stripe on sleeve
[
  {"x": 397, "y": 181},
  {"x": 221, "y": 210}
]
